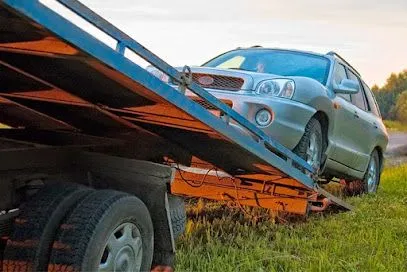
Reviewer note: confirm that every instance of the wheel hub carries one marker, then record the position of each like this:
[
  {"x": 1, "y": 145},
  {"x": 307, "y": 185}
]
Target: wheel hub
[
  {"x": 371, "y": 176},
  {"x": 313, "y": 152},
  {"x": 123, "y": 259},
  {"x": 123, "y": 250}
]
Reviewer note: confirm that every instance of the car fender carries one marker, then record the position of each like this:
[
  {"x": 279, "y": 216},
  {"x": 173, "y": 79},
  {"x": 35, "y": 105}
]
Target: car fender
[{"x": 317, "y": 96}]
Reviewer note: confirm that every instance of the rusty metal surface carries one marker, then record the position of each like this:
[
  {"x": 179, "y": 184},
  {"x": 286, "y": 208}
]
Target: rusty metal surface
[{"x": 271, "y": 193}]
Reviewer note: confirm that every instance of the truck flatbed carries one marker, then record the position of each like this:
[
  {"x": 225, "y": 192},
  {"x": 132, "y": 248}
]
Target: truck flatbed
[{"x": 59, "y": 77}]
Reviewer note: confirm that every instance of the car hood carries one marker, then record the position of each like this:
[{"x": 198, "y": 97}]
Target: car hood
[{"x": 251, "y": 79}]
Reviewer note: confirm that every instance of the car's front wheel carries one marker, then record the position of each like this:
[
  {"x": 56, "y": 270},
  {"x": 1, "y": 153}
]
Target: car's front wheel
[{"x": 310, "y": 146}]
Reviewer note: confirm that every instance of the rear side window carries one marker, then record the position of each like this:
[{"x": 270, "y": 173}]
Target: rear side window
[
  {"x": 358, "y": 99},
  {"x": 371, "y": 100},
  {"x": 339, "y": 74}
]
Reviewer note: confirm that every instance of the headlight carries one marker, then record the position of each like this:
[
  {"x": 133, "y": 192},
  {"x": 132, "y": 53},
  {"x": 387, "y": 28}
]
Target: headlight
[
  {"x": 157, "y": 73},
  {"x": 277, "y": 87}
]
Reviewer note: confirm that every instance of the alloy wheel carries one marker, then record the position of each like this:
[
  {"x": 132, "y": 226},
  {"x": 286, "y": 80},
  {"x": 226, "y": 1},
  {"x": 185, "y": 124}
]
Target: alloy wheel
[
  {"x": 313, "y": 152},
  {"x": 372, "y": 176}
]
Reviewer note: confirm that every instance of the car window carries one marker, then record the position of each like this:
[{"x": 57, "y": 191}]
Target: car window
[
  {"x": 358, "y": 99},
  {"x": 236, "y": 61},
  {"x": 371, "y": 100},
  {"x": 339, "y": 74}
]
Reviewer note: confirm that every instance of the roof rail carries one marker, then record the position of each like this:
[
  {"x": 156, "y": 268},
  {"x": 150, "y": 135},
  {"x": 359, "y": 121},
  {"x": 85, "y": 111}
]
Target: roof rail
[
  {"x": 333, "y": 53},
  {"x": 253, "y": 46}
]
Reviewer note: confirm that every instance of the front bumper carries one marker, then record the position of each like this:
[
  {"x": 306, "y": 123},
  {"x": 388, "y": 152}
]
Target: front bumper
[{"x": 289, "y": 117}]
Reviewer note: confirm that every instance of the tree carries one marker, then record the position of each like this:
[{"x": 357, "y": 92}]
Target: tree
[
  {"x": 375, "y": 88},
  {"x": 396, "y": 83},
  {"x": 401, "y": 107},
  {"x": 388, "y": 95},
  {"x": 386, "y": 102}
]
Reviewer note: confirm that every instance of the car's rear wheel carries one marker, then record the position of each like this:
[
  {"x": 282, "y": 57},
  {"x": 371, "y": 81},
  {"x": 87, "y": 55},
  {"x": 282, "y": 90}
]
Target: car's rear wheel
[
  {"x": 370, "y": 181},
  {"x": 310, "y": 146},
  {"x": 372, "y": 175}
]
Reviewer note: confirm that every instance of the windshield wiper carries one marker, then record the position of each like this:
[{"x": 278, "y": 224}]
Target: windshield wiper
[{"x": 242, "y": 69}]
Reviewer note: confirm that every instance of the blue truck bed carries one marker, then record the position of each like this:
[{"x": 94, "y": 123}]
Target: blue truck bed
[{"x": 60, "y": 77}]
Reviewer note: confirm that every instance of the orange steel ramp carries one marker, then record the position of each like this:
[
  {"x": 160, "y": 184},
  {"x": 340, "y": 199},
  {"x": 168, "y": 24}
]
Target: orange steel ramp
[{"x": 279, "y": 193}]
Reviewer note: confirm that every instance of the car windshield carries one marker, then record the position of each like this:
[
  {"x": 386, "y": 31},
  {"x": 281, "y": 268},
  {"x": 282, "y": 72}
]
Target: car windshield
[{"x": 283, "y": 63}]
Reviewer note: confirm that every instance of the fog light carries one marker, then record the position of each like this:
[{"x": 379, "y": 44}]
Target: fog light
[{"x": 263, "y": 117}]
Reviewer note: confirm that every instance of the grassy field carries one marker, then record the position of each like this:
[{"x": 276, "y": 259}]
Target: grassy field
[
  {"x": 373, "y": 237},
  {"x": 395, "y": 126}
]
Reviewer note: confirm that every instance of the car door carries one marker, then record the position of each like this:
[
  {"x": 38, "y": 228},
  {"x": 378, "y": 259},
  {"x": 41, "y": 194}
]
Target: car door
[
  {"x": 343, "y": 123},
  {"x": 363, "y": 132}
]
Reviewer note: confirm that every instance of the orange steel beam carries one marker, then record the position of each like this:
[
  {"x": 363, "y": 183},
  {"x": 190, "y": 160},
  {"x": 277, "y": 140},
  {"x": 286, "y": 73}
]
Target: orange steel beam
[
  {"x": 28, "y": 117},
  {"x": 49, "y": 45},
  {"x": 266, "y": 194},
  {"x": 163, "y": 114},
  {"x": 72, "y": 100}
]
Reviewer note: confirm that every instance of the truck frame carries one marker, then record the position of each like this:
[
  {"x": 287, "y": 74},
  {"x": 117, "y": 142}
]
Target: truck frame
[{"x": 91, "y": 134}]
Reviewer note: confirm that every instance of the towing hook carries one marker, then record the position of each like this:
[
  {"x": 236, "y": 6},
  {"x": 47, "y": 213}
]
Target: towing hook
[
  {"x": 186, "y": 79},
  {"x": 325, "y": 203},
  {"x": 316, "y": 172}
]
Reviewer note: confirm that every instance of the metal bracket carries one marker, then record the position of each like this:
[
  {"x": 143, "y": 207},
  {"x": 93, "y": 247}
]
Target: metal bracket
[
  {"x": 120, "y": 47},
  {"x": 186, "y": 79},
  {"x": 225, "y": 117}
]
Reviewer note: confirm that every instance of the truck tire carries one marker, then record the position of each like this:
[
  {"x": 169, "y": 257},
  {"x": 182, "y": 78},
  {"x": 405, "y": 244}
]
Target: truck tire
[
  {"x": 310, "y": 147},
  {"x": 178, "y": 215},
  {"x": 107, "y": 231},
  {"x": 28, "y": 247}
]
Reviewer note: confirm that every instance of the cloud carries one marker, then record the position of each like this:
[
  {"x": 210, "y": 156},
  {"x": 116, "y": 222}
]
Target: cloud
[
  {"x": 370, "y": 34},
  {"x": 391, "y": 12}
]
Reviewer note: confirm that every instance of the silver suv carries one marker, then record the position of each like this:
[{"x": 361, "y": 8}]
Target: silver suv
[{"x": 315, "y": 104}]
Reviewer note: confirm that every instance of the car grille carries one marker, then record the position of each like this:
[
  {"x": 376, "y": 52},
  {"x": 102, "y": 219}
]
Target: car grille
[
  {"x": 209, "y": 106},
  {"x": 218, "y": 82}
]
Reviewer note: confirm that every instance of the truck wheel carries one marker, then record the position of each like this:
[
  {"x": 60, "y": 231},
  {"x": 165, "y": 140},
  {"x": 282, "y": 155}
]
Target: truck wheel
[
  {"x": 372, "y": 176},
  {"x": 310, "y": 146},
  {"x": 35, "y": 227},
  {"x": 107, "y": 231},
  {"x": 178, "y": 215}
]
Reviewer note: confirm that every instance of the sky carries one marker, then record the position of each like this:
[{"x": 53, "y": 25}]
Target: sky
[{"x": 371, "y": 35}]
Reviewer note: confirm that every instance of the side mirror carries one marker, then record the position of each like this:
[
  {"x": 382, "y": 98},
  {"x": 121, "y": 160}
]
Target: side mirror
[{"x": 347, "y": 86}]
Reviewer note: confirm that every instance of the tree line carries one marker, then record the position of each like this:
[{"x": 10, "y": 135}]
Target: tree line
[{"x": 392, "y": 97}]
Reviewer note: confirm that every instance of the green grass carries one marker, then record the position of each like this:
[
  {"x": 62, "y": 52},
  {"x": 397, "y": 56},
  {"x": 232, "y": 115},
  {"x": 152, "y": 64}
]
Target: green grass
[
  {"x": 373, "y": 237},
  {"x": 395, "y": 126}
]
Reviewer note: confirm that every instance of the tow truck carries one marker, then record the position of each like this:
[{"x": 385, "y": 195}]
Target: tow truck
[{"x": 97, "y": 152}]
